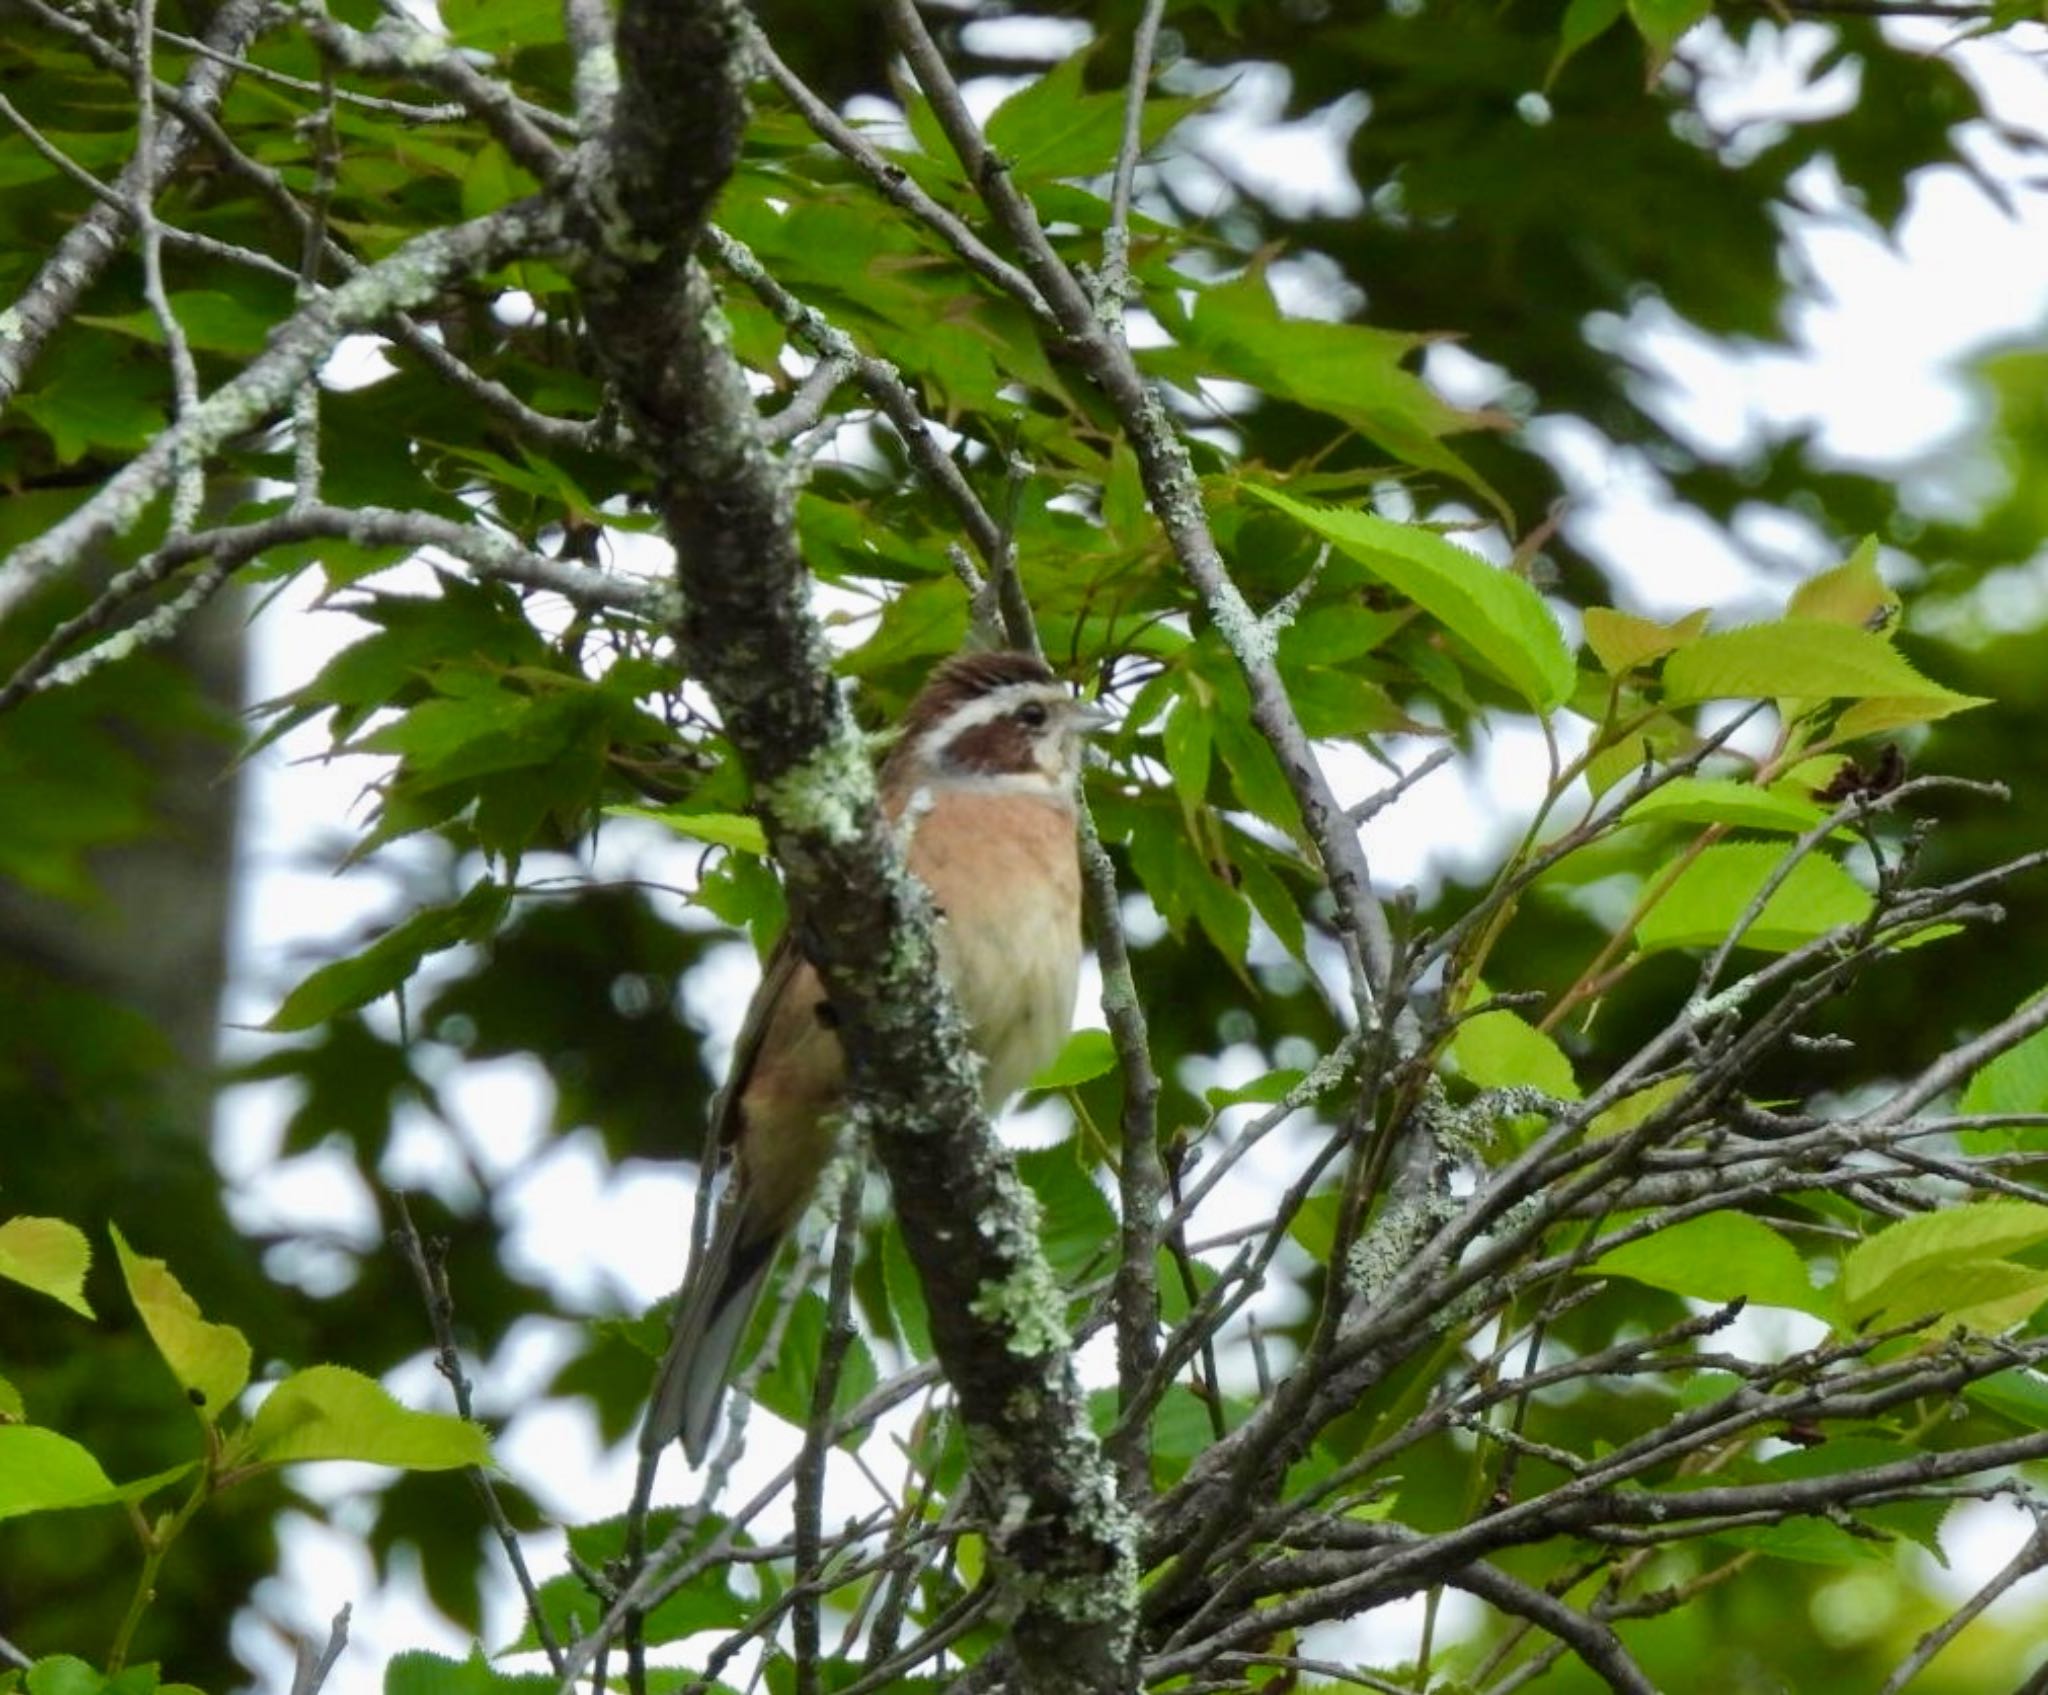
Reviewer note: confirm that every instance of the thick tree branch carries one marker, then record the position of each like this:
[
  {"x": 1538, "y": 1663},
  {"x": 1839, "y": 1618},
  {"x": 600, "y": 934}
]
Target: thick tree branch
[{"x": 751, "y": 639}]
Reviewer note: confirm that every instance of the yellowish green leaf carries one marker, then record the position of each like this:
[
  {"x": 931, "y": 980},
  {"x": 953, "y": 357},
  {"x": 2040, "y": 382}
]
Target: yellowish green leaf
[
  {"x": 48, "y": 1256},
  {"x": 210, "y": 1361}
]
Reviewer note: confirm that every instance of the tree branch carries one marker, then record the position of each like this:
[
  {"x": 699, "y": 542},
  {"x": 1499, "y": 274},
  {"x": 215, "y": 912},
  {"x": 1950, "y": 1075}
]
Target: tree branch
[
  {"x": 751, "y": 639},
  {"x": 413, "y": 275},
  {"x": 83, "y": 253}
]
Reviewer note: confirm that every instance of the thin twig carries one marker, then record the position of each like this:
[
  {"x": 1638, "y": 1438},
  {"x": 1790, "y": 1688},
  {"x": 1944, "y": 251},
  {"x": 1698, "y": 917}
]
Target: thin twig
[
  {"x": 1113, "y": 282},
  {"x": 313, "y": 1668},
  {"x": 430, "y": 1272},
  {"x": 2032, "y": 1555}
]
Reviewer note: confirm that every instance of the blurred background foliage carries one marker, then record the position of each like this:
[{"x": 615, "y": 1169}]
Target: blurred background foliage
[{"x": 1531, "y": 202}]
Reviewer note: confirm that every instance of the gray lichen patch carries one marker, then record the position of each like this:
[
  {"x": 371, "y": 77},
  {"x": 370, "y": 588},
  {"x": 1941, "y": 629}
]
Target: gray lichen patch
[
  {"x": 1029, "y": 1307},
  {"x": 830, "y": 793}
]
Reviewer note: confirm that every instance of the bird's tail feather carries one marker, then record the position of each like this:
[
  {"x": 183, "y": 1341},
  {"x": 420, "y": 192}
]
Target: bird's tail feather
[{"x": 718, "y": 1299}]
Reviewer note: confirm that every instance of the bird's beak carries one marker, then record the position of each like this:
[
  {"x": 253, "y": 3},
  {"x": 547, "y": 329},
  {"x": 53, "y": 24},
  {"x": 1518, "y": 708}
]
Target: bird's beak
[{"x": 1086, "y": 717}]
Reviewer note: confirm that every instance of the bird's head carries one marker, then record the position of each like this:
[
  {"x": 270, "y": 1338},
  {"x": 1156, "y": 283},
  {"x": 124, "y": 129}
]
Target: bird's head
[{"x": 995, "y": 720}]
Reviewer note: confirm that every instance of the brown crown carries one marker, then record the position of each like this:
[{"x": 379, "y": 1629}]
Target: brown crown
[{"x": 967, "y": 677}]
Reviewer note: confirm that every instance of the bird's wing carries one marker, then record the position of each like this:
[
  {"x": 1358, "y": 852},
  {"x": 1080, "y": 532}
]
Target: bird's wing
[{"x": 725, "y": 1281}]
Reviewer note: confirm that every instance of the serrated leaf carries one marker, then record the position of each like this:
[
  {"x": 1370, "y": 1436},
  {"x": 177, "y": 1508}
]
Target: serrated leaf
[
  {"x": 1075, "y": 1223},
  {"x": 48, "y": 1256},
  {"x": 328, "y": 1412},
  {"x": 1495, "y": 613},
  {"x": 906, "y": 1294},
  {"x": 1810, "y": 1541},
  {"x": 417, "y": 1672},
  {"x": 1087, "y": 1054},
  {"x": 1053, "y": 127},
  {"x": 1802, "y": 658},
  {"x": 1351, "y": 372},
  {"x": 1889, "y": 712},
  {"x": 1711, "y": 895},
  {"x": 1720, "y": 1256},
  {"x": 1621, "y": 641},
  {"x": 721, "y": 829},
  {"x": 1503, "y": 1050},
  {"x": 2016, "y": 1393},
  {"x": 1722, "y": 800},
  {"x": 346, "y": 984},
  {"x": 1878, "y": 1268},
  {"x": 1852, "y": 593},
  {"x": 1982, "y": 1295},
  {"x": 210, "y": 1361}
]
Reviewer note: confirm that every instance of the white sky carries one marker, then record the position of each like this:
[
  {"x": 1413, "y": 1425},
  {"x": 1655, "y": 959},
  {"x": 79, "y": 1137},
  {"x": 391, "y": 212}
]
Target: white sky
[{"x": 1873, "y": 369}]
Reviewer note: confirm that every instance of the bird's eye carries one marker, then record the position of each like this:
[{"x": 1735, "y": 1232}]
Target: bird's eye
[{"x": 1032, "y": 715}]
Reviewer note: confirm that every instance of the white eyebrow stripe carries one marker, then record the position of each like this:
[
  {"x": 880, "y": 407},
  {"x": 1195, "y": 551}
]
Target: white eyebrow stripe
[{"x": 986, "y": 710}]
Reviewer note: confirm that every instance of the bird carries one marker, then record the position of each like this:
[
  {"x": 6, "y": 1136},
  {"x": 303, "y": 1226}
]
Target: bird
[{"x": 981, "y": 786}]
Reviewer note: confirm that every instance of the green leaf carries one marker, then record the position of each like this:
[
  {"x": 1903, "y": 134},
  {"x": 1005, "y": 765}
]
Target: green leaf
[
  {"x": 346, "y": 984},
  {"x": 1876, "y": 1270},
  {"x": 1503, "y": 1050},
  {"x": 1075, "y": 1223},
  {"x": 1088, "y": 1054},
  {"x": 788, "y": 1387},
  {"x": 1889, "y": 712},
  {"x": 41, "y": 1471},
  {"x": 2016, "y": 1393},
  {"x": 1621, "y": 641},
  {"x": 1585, "y": 21},
  {"x": 906, "y": 1293},
  {"x": 1662, "y": 22},
  {"x": 1053, "y": 127},
  {"x": 705, "y": 1603},
  {"x": 1719, "y": 1256},
  {"x": 1188, "y": 741},
  {"x": 1711, "y": 894},
  {"x": 1852, "y": 593},
  {"x": 48, "y": 1256},
  {"x": 210, "y": 1361},
  {"x": 1351, "y": 372},
  {"x": 1722, "y": 800},
  {"x": 1266, "y": 1090},
  {"x": 12, "y": 1411},
  {"x": 1802, "y": 658},
  {"x": 328, "y": 1412},
  {"x": 1982, "y": 1295},
  {"x": 2016, "y": 1082},
  {"x": 721, "y": 829},
  {"x": 212, "y": 323},
  {"x": 1636, "y": 1108},
  {"x": 1809, "y": 1541},
  {"x": 1494, "y": 612},
  {"x": 417, "y": 1672}
]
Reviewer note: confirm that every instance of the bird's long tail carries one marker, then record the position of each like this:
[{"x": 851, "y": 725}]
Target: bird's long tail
[{"x": 718, "y": 1299}]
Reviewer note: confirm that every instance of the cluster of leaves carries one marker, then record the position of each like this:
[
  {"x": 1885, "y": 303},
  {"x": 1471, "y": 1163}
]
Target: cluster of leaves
[
  {"x": 510, "y": 740},
  {"x": 323, "y": 1412}
]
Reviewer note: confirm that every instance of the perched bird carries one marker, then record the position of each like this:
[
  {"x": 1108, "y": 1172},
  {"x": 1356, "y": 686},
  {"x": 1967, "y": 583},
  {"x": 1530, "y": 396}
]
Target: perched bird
[{"x": 981, "y": 784}]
